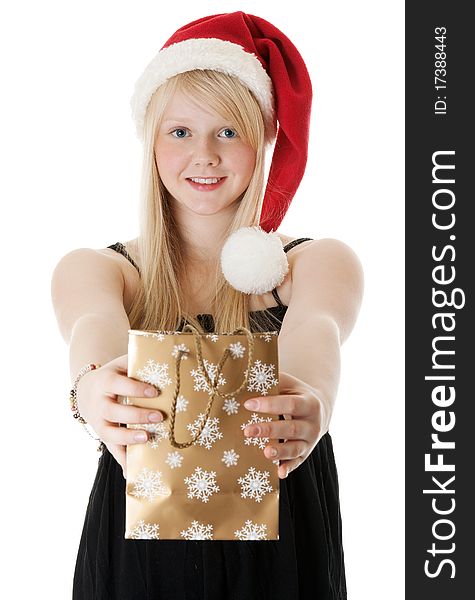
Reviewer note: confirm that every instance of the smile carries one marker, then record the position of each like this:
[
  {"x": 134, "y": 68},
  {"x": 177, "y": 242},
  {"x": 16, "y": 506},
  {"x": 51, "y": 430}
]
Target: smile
[{"x": 205, "y": 184}]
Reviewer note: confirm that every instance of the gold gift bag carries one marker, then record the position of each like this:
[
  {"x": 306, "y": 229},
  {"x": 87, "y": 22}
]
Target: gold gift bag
[{"x": 198, "y": 477}]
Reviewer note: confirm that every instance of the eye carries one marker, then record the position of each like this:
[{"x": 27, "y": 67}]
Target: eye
[
  {"x": 229, "y": 130},
  {"x": 180, "y": 129}
]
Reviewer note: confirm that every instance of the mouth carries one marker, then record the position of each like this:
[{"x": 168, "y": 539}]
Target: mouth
[{"x": 205, "y": 184}]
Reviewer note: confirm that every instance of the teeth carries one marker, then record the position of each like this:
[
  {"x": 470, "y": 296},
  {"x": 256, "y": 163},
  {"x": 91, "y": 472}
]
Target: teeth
[{"x": 210, "y": 180}]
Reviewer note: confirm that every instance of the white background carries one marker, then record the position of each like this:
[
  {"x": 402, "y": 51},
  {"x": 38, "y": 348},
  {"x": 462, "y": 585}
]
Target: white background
[{"x": 70, "y": 178}]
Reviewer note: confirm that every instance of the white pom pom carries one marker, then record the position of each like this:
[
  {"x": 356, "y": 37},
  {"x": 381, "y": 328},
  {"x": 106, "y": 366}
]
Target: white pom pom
[{"x": 253, "y": 261}]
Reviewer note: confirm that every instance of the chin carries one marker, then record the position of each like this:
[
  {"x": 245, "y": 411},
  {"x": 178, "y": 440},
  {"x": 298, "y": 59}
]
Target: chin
[
  {"x": 207, "y": 208},
  {"x": 207, "y": 211}
]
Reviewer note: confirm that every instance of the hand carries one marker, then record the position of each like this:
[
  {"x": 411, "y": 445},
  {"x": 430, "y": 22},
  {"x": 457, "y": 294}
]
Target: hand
[
  {"x": 307, "y": 420},
  {"x": 97, "y": 402}
]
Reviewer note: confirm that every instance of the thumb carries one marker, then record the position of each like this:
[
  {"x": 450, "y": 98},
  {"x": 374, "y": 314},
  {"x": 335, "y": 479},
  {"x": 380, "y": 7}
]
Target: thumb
[
  {"x": 121, "y": 362},
  {"x": 287, "y": 382}
]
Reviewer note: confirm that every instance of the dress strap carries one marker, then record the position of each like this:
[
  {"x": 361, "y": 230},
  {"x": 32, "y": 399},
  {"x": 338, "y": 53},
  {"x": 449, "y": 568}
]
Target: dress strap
[
  {"x": 276, "y": 297},
  {"x": 120, "y": 248},
  {"x": 296, "y": 242},
  {"x": 288, "y": 247}
]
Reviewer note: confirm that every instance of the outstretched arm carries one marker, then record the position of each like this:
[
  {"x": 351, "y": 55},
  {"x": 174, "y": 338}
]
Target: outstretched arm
[{"x": 327, "y": 290}]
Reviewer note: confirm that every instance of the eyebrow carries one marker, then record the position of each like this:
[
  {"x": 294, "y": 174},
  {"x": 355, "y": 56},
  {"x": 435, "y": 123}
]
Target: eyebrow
[
  {"x": 186, "y": 121},
  {"x": 183, "y": 120},
  {"x": 175, "y": 119}
]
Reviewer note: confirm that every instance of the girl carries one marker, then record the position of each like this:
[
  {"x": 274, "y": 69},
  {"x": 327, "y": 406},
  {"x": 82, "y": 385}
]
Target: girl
[{"x": 207, "y": 108}]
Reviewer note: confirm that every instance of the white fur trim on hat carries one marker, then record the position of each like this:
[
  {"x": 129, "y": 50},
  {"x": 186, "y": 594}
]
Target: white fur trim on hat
[
  {"x": 203, "y": 53},
  {"x": 254, "y": 261}
]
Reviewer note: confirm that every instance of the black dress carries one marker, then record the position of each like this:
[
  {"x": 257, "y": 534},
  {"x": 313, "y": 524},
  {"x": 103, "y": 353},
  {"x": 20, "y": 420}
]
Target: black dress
[{"x": 306, "y": 563}]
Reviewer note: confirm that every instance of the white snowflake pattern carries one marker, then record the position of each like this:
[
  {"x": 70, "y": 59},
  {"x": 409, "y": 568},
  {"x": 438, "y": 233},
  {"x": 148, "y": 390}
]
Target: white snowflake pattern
[
  {"x": 255, "y": 484},
  {"x": 267, "y": 336},
  {"x": 237, "y": 350},
  {"x": 231, "y": 406},
  {"x": 158, "y": 335},
  {"x": 210, "y": 432},
  {"x": 230, "y": 458},
  {"x": 261, "y": 378},
  {"x": 149, "y": 485},
  {"x": 202, "y": 484},
  {"x": 177, "y": 349},
  {"x": 200, "y": 382},
  {"x": 252, "y": 531},
  {"x": 181, "y": 404},
  {"x": 213, "y": 337},
  {"x": 198, "y": 531},
  {"x": 174, "y": 459},
  {"x": 155, "y": 373},
  {"x": 145, "y": 531},
  {"x": 256, "y": 440}
]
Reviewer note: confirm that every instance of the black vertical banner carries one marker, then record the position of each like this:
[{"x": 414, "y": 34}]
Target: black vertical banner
[{"x": 440, "y": 269}]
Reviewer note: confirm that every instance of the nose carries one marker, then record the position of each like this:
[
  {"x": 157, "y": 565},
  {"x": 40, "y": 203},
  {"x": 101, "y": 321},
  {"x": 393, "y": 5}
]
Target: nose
[{"x": 205, "y": 153}]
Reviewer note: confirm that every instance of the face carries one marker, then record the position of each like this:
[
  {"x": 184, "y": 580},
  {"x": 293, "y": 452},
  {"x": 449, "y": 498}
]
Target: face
[{"x": 195, "y": 142}]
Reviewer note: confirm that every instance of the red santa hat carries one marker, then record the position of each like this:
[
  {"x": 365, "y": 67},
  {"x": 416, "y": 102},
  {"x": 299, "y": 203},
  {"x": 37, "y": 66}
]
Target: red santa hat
[{"x": 266, "y": 61}]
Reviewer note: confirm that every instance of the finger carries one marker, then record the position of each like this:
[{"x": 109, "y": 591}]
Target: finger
[
  {"x": 290, "y": 404},
  {"x": 288, "y": 383},
  {"x": 294, "y": 429},
  {"x": 119, "y": 453},
  {"x": 121, "y": 385},
  {"x": 287, "y": 466},
  {"x": 285, "y": 451},
  {"x": 121, "y": 363},
  {"x": 122, "y": 413},
  {"x": 123, "y": 436}
]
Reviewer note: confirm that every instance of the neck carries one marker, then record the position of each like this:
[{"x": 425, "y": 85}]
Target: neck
[{"x": 202, "y": 236}]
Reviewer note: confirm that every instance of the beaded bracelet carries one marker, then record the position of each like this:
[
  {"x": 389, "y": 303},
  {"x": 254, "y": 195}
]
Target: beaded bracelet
[{"x": 73, "y": 400}]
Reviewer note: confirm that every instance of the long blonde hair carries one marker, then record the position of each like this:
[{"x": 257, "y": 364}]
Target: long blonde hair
[{"x": 159, "y": 301}]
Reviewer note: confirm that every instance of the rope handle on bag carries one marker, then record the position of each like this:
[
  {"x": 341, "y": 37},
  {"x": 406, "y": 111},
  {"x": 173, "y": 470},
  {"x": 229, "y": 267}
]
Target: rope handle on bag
[{"x": 212, "y": 384}]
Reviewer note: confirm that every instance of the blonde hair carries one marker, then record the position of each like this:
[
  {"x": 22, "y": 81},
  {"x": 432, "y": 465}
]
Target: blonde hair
[{"x": 159, "y": 301}]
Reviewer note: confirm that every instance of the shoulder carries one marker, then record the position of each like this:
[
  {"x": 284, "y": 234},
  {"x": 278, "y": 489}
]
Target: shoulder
[
  {"x": 87, "y": 259},
  {"x": 104, "y": 264},
  {"x": 327, "y": 252},
  {"x": 88, "y": 266},
  {"x": 129, "y": 272},
  {"x": 327, "y": 280}
]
